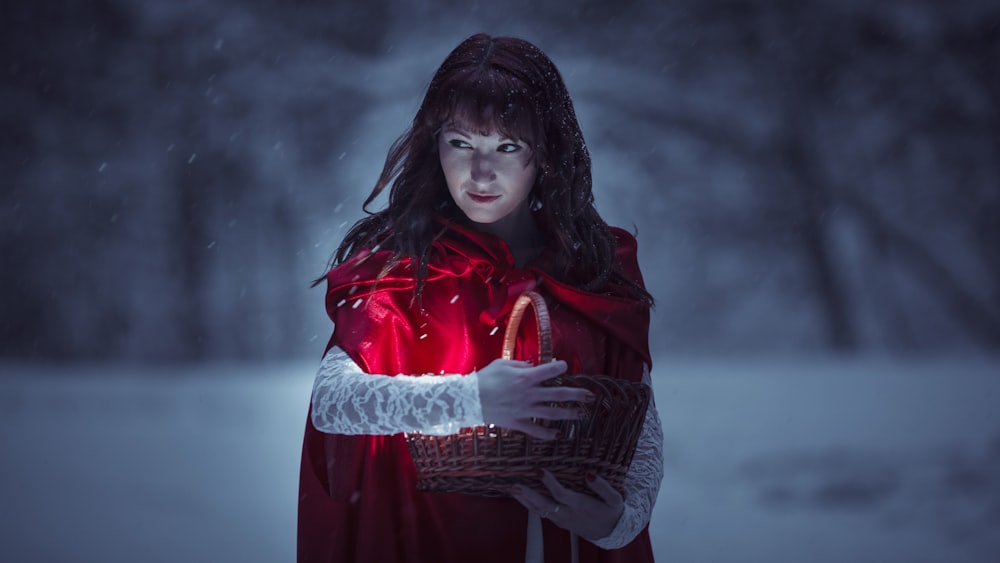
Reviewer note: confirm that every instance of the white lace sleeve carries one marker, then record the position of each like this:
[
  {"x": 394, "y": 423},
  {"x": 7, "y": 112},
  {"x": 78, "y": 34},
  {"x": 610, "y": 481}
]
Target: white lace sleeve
[
  {"x": 346, "y": 400},
  {"x": 642, "y": 482}
]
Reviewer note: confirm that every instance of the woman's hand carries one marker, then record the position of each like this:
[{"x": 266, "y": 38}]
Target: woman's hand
[
  {"x": 511, "y": 394},
  {"x": 588, "y": 516}
]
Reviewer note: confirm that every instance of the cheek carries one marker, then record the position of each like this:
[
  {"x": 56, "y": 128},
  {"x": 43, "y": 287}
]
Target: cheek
[
  {"x": 451, "y": 168},
  {"x": 524, "y": 177},
  {"x": 532, "y": 174}
]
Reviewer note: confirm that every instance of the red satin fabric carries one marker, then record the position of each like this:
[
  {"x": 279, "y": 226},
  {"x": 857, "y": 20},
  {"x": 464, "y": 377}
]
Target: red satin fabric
[{"x": 357, "y": 497}]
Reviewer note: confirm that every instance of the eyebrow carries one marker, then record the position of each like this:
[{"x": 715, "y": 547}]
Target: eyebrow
[{"x": 465, "y": 133}]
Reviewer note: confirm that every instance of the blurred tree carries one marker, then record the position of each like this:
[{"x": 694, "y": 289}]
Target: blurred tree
[
  {"x": 149, "y": 148},
  {"x": 833, "y": 111},
  {"x": 820, "y": 175},
  {"x": 46, "y": 97}
]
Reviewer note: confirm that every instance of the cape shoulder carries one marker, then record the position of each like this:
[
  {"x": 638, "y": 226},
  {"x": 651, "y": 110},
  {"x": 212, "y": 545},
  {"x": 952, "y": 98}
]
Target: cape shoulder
[
  {"x": 458, "y": 253},
  {"x": 463, "y": 254}
]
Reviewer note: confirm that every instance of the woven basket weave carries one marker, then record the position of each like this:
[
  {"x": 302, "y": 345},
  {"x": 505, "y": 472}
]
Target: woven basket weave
[{"x": 487, "y": 460}]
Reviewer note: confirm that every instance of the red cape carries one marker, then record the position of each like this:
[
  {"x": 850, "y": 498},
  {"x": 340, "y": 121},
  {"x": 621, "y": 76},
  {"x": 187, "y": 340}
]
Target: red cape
[{"x": 357, "y": 496}]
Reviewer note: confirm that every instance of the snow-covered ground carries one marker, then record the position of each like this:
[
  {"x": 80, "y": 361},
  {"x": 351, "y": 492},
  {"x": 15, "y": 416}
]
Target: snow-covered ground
[{"x": 823, "y": 460}]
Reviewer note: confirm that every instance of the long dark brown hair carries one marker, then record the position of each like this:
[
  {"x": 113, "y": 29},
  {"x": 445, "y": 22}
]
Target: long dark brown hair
[{"x": 509, "y": 86}]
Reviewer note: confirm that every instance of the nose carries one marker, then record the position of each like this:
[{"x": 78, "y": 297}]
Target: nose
[{"x": 482, "y": 169}]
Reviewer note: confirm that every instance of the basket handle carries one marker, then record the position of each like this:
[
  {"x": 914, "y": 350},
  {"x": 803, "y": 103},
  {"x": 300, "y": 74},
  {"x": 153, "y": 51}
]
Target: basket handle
[{"x": 544, "y": 326}]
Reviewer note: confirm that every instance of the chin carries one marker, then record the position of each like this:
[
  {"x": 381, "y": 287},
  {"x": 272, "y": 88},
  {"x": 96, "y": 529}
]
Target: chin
[{"x": 481, "y": 218}]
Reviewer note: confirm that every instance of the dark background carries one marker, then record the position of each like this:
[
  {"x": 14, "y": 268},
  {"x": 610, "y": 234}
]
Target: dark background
[
  {"x": 804, "y": 176},
  {"x": 815, "y": 185}
]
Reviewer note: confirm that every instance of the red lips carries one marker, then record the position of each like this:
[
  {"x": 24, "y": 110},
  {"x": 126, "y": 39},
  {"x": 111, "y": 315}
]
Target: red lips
[{"x": 482, "y": 198}]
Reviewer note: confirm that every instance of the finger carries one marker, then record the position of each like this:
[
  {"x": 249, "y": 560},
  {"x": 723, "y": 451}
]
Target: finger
[
  {"x": 531, "y": 499},
  {"x": 604, "y": 490},
  {"x": 535, "y": 430},
  {"x": 554, "y": 413},
  {"x": 522, "y": 364},
  {"x": 561, "y": 395},
  {"x": 561, "y": 494},
  {"x": 547, "y": 371}
]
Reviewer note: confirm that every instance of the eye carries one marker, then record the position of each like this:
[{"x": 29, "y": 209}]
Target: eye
[
  {"x": 508, "y": 147},
  {"x": 459, "y": 144}
]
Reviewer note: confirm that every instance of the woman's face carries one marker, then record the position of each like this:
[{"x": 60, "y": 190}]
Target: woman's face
[{"x": 489, "y": 176}]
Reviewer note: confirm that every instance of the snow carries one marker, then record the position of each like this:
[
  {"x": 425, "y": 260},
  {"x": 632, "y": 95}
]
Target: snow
[{"x": 776, "y": 460}]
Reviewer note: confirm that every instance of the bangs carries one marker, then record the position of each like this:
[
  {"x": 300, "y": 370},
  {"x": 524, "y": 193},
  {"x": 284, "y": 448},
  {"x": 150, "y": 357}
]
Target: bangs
[{"x": 485, "y": 100}]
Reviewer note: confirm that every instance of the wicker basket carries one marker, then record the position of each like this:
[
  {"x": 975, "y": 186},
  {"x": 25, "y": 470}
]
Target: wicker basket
[{"x": 487, "y": 460}]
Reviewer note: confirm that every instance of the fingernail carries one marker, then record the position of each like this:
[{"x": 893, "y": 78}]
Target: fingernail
[{"x": 591, "y": 477}]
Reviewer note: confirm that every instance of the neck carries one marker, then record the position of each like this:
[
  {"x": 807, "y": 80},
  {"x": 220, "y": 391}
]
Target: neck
[{"x": 520, "y": 231}]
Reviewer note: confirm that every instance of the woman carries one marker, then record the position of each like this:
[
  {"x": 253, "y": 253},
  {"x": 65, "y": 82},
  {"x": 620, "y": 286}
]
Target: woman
[{"x": 490, "y": 197}]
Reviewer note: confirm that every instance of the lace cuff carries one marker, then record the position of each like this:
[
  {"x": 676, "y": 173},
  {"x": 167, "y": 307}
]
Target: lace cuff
[
  {"x": 346, "y": 400},
  {"x": 642, "y": 482}
]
